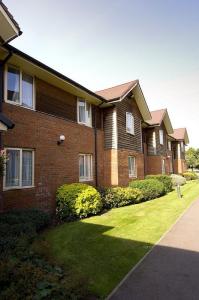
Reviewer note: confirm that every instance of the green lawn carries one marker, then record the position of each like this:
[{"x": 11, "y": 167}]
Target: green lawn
[{"x": 104, "y": 248}]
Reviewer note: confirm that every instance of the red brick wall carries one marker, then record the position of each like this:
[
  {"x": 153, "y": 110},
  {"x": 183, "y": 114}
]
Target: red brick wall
[
  {"x": 154, "y": 164},
  {"x": 123, "y": 170},
  {"x": 54, "y": 165}
]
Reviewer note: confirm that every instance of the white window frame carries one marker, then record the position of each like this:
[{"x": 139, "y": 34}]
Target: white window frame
[
  {"x": 21, "y": 72},
  {"x": 169, "y": 145},
  {"x": 132, "y": 173},
  {"x": 154, "y": 142},
  {"x": 20, "y": 186},
  {"x": 163, "y": 166},
  {"x": 88, "y": 122},
  {"x": 182, "y": 146},
  {"x": 161, "y": 136},
  {"x": 84, "y": 178},
  {"x": 128, "y": 129}
]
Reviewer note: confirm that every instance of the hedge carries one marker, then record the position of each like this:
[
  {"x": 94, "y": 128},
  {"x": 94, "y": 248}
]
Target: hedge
[
  {"x": 190, "y": 175},
  {"x": 151, "y": 188},
  {"x": 165, "y": 179},
  {"x": 118, "y": 196},
  {"x": 77, "y": 200}
]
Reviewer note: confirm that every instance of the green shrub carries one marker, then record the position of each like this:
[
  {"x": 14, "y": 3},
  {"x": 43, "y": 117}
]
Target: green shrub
[
  {"x": 190, "y": 175},
  {"x": 20, "y": 225},
  {"x": 178, "y": 180},
  {"x": 77, "y": 200},
  {"x": 118, "y": 196},
  {"x": 151, "y": 188},
  {"x": 165, "y": 179},
  {"x": 38, "y": 218}
]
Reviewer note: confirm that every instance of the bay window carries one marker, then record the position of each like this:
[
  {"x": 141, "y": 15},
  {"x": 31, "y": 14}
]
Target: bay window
[
  {"x": 85, "y": 167},
  {"x": 19, "y": 171},
  {"x": 19, "y": 87},
  {"x": 84, "y": 112}
]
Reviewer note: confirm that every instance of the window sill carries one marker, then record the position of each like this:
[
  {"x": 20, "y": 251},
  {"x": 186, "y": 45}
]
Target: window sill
[
  {"x": 84, "y": 124},
  {"x": 86, "y": 179},
  {"x": 130, "y": 133},
  {"x": 19, "y": 105},
  {"x": 17, "y": 188},
  {"x": 132, "y": 176}
]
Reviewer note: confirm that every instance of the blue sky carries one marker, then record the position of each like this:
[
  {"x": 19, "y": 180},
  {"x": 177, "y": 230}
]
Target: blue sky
[{"x": 104, "y": 43}]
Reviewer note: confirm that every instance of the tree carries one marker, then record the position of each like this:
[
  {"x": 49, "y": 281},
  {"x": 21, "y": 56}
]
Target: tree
[{"x": 192, "y": 158}]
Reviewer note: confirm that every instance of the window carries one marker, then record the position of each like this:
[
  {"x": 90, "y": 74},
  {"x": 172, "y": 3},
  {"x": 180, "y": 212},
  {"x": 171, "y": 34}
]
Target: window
[
  {"x": 129, "y": 123},
  {"x": 161, "y": 136},
  {"x": 85, "y": 167},
  {"x": 163, "y": 167},
  {"x": 84, "y": 112},
  {"x": 19, "y": 168},
  {"x": 20, "y": 87},
  {"x": 169, "y": 145},
  {"x": 132, "y": 166},
  {"x": 182, "y": 146}
]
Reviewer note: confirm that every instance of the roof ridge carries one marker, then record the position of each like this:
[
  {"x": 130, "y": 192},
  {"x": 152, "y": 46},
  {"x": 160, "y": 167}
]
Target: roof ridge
[{"x": 117, "y": 85}]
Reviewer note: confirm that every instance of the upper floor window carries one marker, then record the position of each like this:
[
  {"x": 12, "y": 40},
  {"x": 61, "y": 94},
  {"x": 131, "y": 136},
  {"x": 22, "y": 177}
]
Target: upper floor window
[
  {"x": 182, "y": 146},
  {"x": 19, "y": 171},
  {"x": 19, "y": 87},
  {"x": 132, "y": 166},
  {"x": 130, "y": 123},
  {"x": 169, "y": 145},
  {"x": 84, "y": 112},
  {"x": 161, "y": 136}
]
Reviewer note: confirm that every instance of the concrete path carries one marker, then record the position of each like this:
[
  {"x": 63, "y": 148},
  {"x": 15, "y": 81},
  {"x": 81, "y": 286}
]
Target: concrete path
[{"x": 171, "y": 270}]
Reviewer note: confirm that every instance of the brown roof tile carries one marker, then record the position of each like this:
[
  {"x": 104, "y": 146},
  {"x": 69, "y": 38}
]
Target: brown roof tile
[
  {"x": 117, "y": 91},
  {"x": 179, "y": 133},
  {"x": 157, "y": 117}
]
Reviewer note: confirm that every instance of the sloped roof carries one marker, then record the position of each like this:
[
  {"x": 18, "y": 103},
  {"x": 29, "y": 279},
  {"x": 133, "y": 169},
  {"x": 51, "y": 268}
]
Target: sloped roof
[
  {"x": 181, "y": 134},
  {"x": 10, "y": 15},
  {"x": 118, "y": 91},
  {"x": 159, "y": 116}
]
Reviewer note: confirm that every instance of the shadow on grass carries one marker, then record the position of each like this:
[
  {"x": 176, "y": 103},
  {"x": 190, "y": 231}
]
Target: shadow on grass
[{"x": 103, "y": 257}]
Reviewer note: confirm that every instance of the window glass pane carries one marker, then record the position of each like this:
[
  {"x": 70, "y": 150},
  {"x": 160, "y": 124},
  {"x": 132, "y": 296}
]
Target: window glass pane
[
  {"x": 81, "y": 166},
  {"x": 129, "y": 123},
  {"x": 13, "y": 84},
  {"x": 88, "y": 114},
  {"x": 26, "y": 168},
  {"x": 13, "y": 168},
  {"x": 82, "y": 117},
  {"x": 131, "y": 164},
  {"x": 27, "y": 90}
]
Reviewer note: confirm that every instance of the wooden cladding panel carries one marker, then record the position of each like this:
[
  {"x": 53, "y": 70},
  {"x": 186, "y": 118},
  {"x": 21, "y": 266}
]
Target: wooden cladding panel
[
  {"x": 110, "y": 132},
  {"x": 126, "y": 140},
  {"x": 54, "y": 101}
]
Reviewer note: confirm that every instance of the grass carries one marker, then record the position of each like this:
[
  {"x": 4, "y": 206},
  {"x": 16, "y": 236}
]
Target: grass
[{"x": 104, "y": 248}]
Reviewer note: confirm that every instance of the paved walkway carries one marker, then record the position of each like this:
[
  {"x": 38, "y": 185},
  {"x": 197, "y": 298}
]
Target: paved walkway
[{"x": 171, "y": 270}]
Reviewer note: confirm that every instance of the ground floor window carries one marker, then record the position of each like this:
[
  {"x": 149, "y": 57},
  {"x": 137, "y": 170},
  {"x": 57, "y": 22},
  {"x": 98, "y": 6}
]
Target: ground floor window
[
  {"x": 19, "y": 171},
  {"x": 85, "y": 167},
  {"x": 163, "y": 166},
  {"x": 132, "y": 166}
]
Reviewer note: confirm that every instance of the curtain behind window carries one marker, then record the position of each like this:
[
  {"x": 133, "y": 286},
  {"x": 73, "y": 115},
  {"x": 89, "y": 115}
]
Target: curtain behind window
[
  {"x": 13, "y": 168},
  {"x": 26, "y": 168}
]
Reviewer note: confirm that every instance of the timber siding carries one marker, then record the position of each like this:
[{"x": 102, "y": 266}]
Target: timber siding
[
  {"x": 125, "y": 139},
  {"x": 110, "y": 128},
  {"x": 159, "y": 149},
  {"x": 56, "y": 102}
]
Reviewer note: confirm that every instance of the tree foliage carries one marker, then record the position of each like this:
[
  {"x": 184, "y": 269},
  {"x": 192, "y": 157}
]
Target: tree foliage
[{"x": 192, "y": 158}]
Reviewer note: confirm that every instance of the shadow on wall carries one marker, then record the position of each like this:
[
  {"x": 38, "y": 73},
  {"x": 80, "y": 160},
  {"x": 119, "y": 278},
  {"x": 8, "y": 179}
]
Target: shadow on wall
[{"x": 101, "y": 255}]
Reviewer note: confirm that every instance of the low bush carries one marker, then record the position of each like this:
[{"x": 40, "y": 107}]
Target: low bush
[
  {"x": 151, "y": 188},
  {"x": 165, "y": 179},
  {"x": 17, "y": 226},
  {"x": 178, "y": 180},
  {"x": 77, "y": 200},
  {"x": 190, "y": 175},
  {"x": 118, "y": 196}
]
